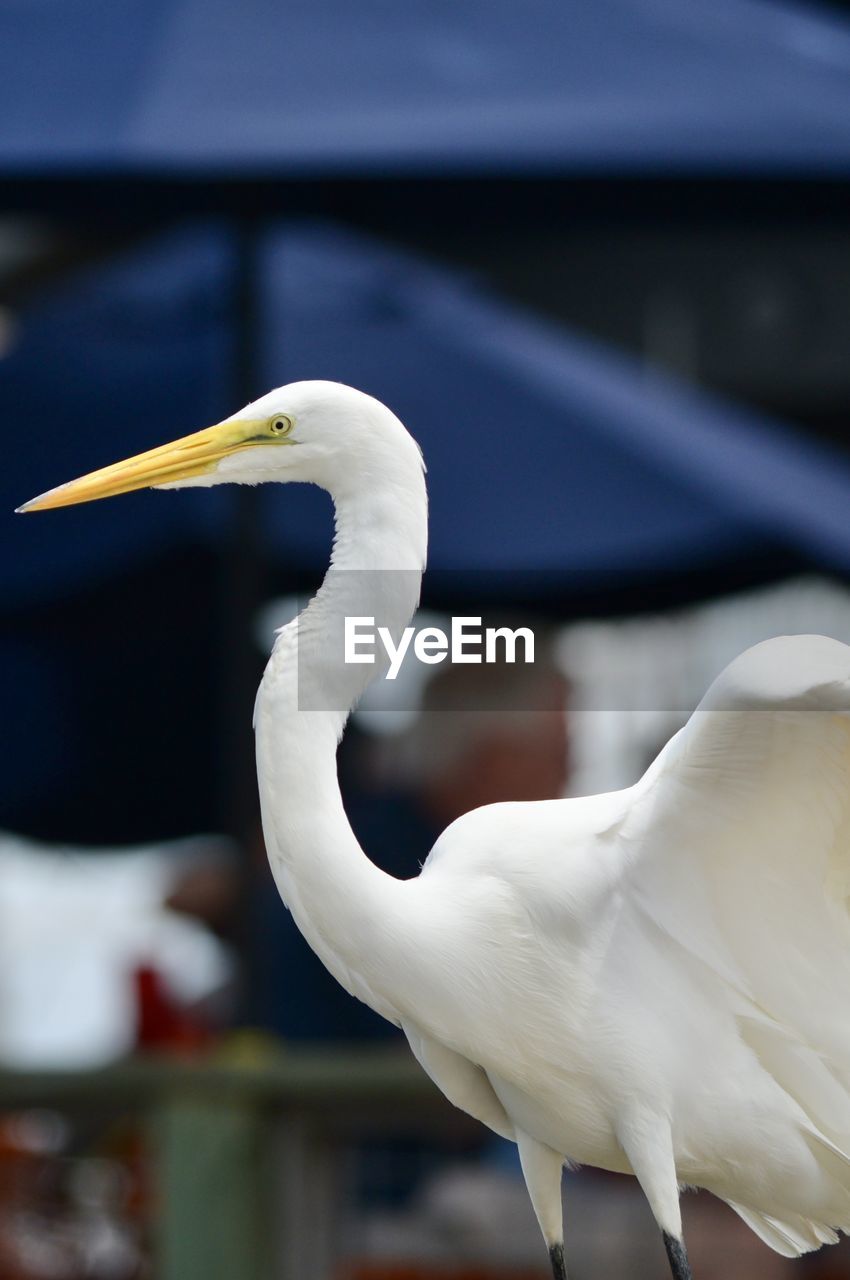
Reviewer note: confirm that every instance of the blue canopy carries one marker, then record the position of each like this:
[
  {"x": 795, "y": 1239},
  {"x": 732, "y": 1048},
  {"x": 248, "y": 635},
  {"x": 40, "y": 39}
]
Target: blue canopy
[
  {"x": 547, "y": 453},
  {"x": 216, "y": 88},
  {"x": 560, "y": 475},
  {"x": 553, "y": 463},
  {"x": 126, "y": 354}
]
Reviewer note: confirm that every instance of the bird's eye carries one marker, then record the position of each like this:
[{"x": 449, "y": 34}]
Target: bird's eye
[{"x": 281, "y": 425}]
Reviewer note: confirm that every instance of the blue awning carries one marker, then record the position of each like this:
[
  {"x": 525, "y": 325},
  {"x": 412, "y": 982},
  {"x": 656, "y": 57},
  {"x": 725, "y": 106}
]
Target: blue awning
[
  {"x": 551, "y": 459},
  {"x": 321, "y": 88},
  {"x": 547, "y": 452}
]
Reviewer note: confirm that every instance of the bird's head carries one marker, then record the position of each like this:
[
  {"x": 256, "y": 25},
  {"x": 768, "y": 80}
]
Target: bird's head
[{"x": 320, "y": 432}]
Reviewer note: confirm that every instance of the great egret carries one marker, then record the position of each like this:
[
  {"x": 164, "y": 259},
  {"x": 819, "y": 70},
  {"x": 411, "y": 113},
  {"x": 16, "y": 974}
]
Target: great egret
[{"x": 654, "y": 981}]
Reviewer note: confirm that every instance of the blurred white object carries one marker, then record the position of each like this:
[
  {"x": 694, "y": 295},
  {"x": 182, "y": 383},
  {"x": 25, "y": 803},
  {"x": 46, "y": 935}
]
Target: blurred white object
[
  {"x": 74, "y": 925},
  {"x": 636, "y": 680}
]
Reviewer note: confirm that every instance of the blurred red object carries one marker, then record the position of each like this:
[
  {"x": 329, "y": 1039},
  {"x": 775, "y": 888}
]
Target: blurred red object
[
  {"x": 33, "y": 1236},
  {"x": 161, "y": 1022}
]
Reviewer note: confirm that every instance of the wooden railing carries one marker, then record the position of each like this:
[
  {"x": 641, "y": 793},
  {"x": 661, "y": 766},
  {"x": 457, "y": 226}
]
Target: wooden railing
[{"x": 245, "y": 1158}]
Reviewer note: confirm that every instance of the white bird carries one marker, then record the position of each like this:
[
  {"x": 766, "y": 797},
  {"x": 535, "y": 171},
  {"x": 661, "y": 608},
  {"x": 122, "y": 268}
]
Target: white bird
[{"x": 654, "y": 981}]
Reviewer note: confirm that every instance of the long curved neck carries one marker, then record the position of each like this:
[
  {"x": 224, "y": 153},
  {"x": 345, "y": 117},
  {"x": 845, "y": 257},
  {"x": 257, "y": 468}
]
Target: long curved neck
[{"x": 340, "y": 900}]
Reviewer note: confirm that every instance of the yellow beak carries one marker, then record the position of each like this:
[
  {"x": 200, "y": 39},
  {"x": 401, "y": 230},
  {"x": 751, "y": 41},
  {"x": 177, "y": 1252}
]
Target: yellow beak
[{"x": 194, "y": 455}]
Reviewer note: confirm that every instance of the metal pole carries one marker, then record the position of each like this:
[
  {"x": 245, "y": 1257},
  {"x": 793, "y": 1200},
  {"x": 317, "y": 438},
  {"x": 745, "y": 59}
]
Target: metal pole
[{"x": 242, "y": 582}]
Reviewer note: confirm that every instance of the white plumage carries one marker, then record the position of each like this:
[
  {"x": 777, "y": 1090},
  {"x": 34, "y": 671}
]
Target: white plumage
[{"x": 652, "y": 981}]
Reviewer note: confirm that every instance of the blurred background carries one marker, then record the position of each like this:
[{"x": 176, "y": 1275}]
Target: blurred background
[{"x": 596, "y": 255}]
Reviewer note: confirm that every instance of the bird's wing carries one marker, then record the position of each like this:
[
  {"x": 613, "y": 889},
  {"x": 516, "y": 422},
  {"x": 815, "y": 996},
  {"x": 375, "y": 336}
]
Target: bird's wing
[{"x": 738, "y": 845}]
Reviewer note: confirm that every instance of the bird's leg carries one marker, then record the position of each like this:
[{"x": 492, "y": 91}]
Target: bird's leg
[
  {"x": 678, "y": 1258},
  {"x": 647, "y": 1141},
  {"x": 542, "y": 1169},
  {"x": 559, "y": 1266}
]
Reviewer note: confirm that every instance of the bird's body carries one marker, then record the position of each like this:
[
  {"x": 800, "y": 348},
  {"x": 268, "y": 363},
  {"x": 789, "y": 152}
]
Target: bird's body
[
  {"x": 601, "y": 1019},
  {"x": 653, "y": 981}
]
